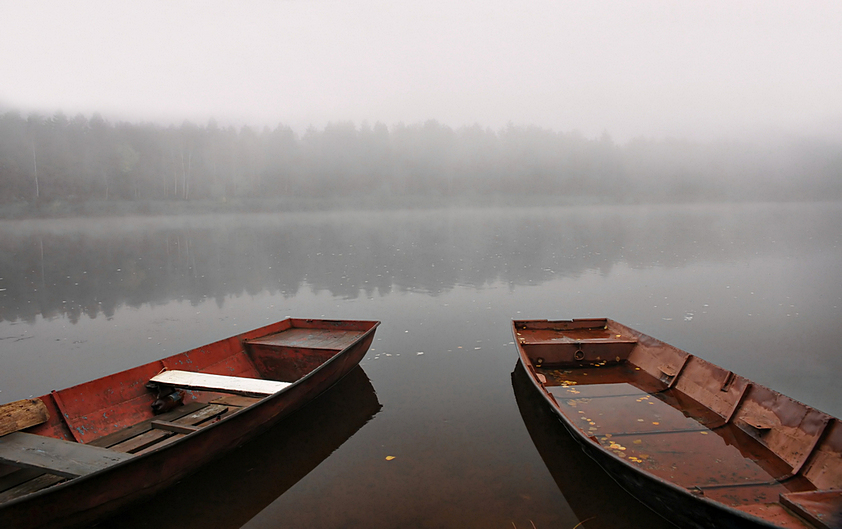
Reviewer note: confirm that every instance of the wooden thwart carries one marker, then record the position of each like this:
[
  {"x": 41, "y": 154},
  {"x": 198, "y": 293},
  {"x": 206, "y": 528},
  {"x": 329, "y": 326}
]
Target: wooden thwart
[
  {"x": 223, "y": 383},
  {"x": 22, "y": 414},
  {"x": 62, "y": 458}
]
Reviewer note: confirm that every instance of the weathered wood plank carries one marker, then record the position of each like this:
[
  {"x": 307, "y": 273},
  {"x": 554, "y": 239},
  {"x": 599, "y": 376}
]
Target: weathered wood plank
[
  {"x": 153, "y": 437},
  {"x": 240, "y": 401},
  {"x": 223, "y": 383},
  {"x": 173, "y": 427},
  {"x": 209, "y": 412},
  {"x": 19, "y": 476},
  {"x": 201, "y": 418},
  {"x": 127, "y": 433},
  {"x": 33, "y": 485},
  {"x": 22, "y": 414},
  {"x": 63, "y": 458},
  {"x": 164, "y": 442}
]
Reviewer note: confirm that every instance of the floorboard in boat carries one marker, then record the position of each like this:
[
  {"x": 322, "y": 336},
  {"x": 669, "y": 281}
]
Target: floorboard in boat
[
  {"x": 147, "y": 439},
  {"x": 668, "y": 434},
  {"x": 33, "y": 485},
  {"x": 144, "y": 426},
  {"x": 589, "y": 378},
  {"x": 13, "y": 479}
]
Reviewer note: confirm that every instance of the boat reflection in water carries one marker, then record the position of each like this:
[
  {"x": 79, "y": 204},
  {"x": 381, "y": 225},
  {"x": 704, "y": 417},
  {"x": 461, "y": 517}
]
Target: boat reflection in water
[
  {"x": 230, "y": 491},
  {"x": 598, "y": 501}
]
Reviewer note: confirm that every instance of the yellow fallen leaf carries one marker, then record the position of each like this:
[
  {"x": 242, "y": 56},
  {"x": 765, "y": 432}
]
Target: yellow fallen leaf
[
  {"x": 703, "y": 433},
  {"x": 637, "y": 441},
  {"x": 655, "y": 422},
  {"x": 389, "y": 458}
]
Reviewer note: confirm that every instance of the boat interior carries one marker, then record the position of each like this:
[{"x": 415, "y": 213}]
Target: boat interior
[
  {"x": 689, "y": 422},
  {"x": 88, "y": 427}
]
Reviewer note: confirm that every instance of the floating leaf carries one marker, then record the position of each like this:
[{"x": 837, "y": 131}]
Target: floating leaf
[{"x": 389, "y": 458}]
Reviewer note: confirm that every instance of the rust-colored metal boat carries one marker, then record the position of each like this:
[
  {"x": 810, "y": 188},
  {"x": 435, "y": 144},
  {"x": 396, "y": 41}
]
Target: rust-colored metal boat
[
  {"x": 104, "y": 447},
  {"x": 700, "y": 445}
]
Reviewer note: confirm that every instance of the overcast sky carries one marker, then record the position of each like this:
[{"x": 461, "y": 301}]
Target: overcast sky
[{"x": 654, "y": 68}]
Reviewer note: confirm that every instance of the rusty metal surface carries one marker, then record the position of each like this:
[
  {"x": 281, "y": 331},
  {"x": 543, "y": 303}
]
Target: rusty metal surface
[
  {"x": 661, "y": 416},
  {"x": 83, "y": 412},
  {"x": 823, "y": 508}
]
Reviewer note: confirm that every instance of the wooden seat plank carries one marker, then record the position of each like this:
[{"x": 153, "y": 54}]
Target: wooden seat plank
[
  {"x": 22, "y": 414},
  {"x": 62, "y": 458},
  {"x": 222, "y": 383}
]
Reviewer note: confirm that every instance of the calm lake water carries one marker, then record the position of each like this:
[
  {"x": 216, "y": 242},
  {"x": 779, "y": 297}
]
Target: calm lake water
[{"x": 756, "y": 288}]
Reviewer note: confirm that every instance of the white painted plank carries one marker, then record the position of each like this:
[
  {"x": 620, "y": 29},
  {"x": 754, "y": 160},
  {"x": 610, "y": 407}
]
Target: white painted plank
[{"x": 193, "y": 380}]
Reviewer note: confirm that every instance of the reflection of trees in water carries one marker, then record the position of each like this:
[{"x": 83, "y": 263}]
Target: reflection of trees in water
[{"x": 75, "y": 272}]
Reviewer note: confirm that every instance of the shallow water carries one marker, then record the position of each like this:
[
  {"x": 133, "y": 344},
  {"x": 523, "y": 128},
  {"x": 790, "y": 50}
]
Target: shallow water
[{"x": 755, "y": 288}]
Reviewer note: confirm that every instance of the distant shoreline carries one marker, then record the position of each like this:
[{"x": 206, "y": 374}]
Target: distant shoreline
[
  {"x": 60, "y": 209},
  {"x": 128, "y": 208}
]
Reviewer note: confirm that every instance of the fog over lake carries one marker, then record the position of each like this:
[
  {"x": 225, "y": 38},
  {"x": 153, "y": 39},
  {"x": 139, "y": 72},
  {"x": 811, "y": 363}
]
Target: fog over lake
[
  {"x": 753, "y": 287},
  {"x": 174, "y": 173}
]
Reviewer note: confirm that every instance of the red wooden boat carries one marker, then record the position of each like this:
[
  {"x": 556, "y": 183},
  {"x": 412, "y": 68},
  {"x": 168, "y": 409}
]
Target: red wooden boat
[
  {"x": 700, "y": 445},
  {"x": 104, "y": 446}
]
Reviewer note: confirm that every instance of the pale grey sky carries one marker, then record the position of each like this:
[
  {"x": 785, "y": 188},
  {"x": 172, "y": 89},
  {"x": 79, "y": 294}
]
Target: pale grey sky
[{"x": 702, "y": 69}]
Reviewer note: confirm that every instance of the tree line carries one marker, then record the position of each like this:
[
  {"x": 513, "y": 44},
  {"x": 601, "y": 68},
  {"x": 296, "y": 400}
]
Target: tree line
[{"x": 50, "y": 158}]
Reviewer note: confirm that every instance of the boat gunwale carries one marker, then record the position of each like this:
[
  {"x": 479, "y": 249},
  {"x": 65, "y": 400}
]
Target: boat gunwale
[
  {"x": 588, "y": 443},
  {"x": 215, "y": 424}
]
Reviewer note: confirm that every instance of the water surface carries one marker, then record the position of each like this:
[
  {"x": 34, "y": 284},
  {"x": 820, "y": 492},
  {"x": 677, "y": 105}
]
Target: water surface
[{"x": 755, "y": 288}]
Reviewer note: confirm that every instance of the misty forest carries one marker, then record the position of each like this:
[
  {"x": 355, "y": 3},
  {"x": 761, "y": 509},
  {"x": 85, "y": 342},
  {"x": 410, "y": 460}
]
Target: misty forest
[{"x": 57, "y": 164}]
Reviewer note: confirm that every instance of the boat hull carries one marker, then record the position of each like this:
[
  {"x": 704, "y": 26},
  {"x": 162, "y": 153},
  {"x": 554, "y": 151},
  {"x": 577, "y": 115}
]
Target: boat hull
[
  {"x": 88, "y": 498},
  {"x": 597, "y": 500},
  {"x": 597, "y": 377}
]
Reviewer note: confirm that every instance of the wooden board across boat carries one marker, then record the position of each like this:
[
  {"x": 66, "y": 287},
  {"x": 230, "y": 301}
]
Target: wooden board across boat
[
  {"x": 100, "y": 445},
  {"x": 700, "y": 445}
]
